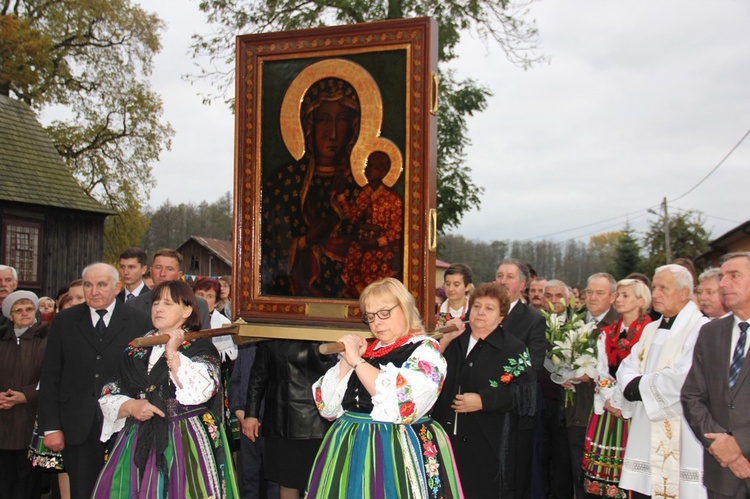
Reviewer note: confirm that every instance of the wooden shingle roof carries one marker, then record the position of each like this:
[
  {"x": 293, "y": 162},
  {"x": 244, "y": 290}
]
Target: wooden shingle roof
[
  {"x": 31, "y": 170},
  {"x": 220, "y": 248}
]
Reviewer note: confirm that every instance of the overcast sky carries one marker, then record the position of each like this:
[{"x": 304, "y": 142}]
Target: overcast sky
[{"x": 640, "y": 100}]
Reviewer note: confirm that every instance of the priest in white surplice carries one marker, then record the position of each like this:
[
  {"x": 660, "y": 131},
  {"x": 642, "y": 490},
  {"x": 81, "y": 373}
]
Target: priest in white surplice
[{"x": 663, "y": 459}]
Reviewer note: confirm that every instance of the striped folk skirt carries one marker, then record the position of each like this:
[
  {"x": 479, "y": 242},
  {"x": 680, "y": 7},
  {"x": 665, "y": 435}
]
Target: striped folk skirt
[
  {"x": 198, "y": 460},
  {"x": 604, "y": 449},
  {"x": 360, "y": 457}
]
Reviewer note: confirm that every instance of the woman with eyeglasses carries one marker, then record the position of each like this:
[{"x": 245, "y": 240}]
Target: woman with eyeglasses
[
  {"x": 382, "y": 443},
  {"x": 23, "y": 341}
]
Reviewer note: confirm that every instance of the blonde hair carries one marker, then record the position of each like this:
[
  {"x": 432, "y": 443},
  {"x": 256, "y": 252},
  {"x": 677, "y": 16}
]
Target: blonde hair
[
  {"x": 640, "y": 290},
  {"x": 390, "y": 289}
]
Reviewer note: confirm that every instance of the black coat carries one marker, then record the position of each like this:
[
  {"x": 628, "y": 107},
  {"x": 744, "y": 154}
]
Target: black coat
[
  {"x": 283, "y": 373},
  {"x": 528, "y": 325},
  {"x": 493, "y": 429},
  {"x": 77, "y": 364}
]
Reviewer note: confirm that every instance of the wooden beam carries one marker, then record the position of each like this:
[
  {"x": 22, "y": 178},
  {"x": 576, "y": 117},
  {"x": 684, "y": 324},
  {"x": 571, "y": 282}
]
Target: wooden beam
[{"x": 244, "y": 332}]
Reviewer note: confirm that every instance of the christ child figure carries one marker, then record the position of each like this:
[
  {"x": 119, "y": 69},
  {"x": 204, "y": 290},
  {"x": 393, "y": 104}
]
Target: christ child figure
[{"x": 378, "y": 214}]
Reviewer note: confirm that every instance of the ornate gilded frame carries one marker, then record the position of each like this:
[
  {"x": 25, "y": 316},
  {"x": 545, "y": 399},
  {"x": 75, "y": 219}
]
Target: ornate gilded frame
[{"x": 392, "y": 65}]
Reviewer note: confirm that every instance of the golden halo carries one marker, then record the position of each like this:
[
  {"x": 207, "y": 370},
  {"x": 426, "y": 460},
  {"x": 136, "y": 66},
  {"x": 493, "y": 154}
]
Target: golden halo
[{"x": 371, "y": 106}]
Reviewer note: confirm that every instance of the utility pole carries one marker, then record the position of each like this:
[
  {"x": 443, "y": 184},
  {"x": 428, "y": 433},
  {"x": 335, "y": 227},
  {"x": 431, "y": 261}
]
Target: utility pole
[{"x": 667, "y": 244}]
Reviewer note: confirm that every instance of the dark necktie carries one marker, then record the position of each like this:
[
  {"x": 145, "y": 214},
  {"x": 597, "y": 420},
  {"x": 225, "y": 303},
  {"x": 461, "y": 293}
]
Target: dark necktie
[
  {"x": 129, "y": 297},
  {"x": 738, "y": 356},
  {"x": 101, "y": 327}
]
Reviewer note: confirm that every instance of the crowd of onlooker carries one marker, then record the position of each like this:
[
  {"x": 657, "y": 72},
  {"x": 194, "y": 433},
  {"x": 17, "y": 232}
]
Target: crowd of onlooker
[
  {"x": 645, "y": 416},
  {"x": 655, "y": 408},
  {"x": 50, "y": 420}
]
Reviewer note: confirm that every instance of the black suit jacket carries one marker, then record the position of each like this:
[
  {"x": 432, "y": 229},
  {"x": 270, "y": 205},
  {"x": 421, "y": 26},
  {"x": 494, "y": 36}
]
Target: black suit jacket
[
  {"x": 121, "y": 294},
  {"x": 528, "y": 325},
  {"x": 144, "y": 301},
  {"x": 711, "y": 407},
  {"x": 78, "y": 363}
]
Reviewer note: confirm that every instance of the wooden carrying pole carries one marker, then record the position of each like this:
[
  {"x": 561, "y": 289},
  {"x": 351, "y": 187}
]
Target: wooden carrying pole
[
  {"x": 330, "y": 348},
  {"x": 248, "y": 333},
  {"x": 162, "y": 339},
  {"x": 243, "y": 332}
]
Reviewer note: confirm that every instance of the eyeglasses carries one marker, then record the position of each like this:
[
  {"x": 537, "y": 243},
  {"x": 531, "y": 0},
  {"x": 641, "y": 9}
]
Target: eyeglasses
[
  {"x": 28, "y": 310},
  {"x": 383, "y": 314}
]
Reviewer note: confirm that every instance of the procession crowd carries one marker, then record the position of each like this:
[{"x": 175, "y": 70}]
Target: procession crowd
[{"x": 530, "y": 389}]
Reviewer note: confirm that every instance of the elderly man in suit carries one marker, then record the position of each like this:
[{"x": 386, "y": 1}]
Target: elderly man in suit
[
  {"x": 528, "y": 325},
  {"x": 716, "y": 393},
  {"x": 85, "y": 346},
  {"x": 600, "y": 295},
  {"x": 167, "y": 266},
  {"x": 8, "y": 284},
  {"x": 709, "y": 296},
  {"x": 551, "y": 443},
  {"x": 662, "y": 456}
]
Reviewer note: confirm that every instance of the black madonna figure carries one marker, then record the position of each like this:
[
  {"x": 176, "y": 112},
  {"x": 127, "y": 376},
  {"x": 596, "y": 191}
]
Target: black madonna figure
[{"x": 305, "y": 235}]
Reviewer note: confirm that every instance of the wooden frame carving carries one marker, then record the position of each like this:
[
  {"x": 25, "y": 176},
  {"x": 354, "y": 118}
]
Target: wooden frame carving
[{"x": 315, "y": 220}]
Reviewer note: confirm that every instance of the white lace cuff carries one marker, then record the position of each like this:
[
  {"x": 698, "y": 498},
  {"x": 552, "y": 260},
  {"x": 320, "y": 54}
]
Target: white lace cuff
[
  {"x": 329, "y": 390},
  {"x": 199, "y": 382},
  {"x": 110, "y": 405}
]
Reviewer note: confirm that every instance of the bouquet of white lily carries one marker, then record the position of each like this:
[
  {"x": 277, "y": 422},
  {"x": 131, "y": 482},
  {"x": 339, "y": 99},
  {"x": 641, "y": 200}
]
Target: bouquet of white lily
[{"x": 572, "y": 350}]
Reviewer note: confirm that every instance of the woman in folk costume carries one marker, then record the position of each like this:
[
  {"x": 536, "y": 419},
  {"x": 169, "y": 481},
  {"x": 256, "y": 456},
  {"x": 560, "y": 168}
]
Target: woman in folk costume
[
  {"x": 665, "y": 460},
  {"x": 457, "y": 284},
  {"x": 164, "y": 403},
  {"x": 382, "y": 445},
  {"x": 607, "y": 431}
]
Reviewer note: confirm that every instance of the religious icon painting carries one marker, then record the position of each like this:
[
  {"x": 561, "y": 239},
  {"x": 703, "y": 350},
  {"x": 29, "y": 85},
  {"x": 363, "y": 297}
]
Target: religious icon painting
[{"x": 335, "y": 174}]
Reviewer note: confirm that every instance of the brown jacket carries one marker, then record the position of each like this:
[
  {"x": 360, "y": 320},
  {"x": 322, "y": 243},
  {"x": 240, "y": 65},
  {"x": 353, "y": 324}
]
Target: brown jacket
[{"x": 20, "y": 368}]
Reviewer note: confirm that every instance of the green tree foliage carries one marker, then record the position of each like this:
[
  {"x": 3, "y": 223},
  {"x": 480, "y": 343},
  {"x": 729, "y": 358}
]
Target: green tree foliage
[
  {"x": 172, "y": 225},
  {"x": 22, "y": 51},
  {"x": 480, "y": 256},
  {"x": 604, "y": 247},
  {"x": 502, "y": 21},
  {"x": 89, "y": 61},
  {"x": 456, "y": 193},
  {"x": 123, "y": 230},
  {"x": 619, "y": 252},
  {"x": 627, "y": 258},
  {"x": 570, "y": 261},
  {"x": 687, "y": 234}
]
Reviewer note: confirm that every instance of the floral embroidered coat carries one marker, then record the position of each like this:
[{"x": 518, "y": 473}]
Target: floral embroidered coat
[
  {"x": 404, "y": 392},
  {"x": 499, "y": 369}
]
